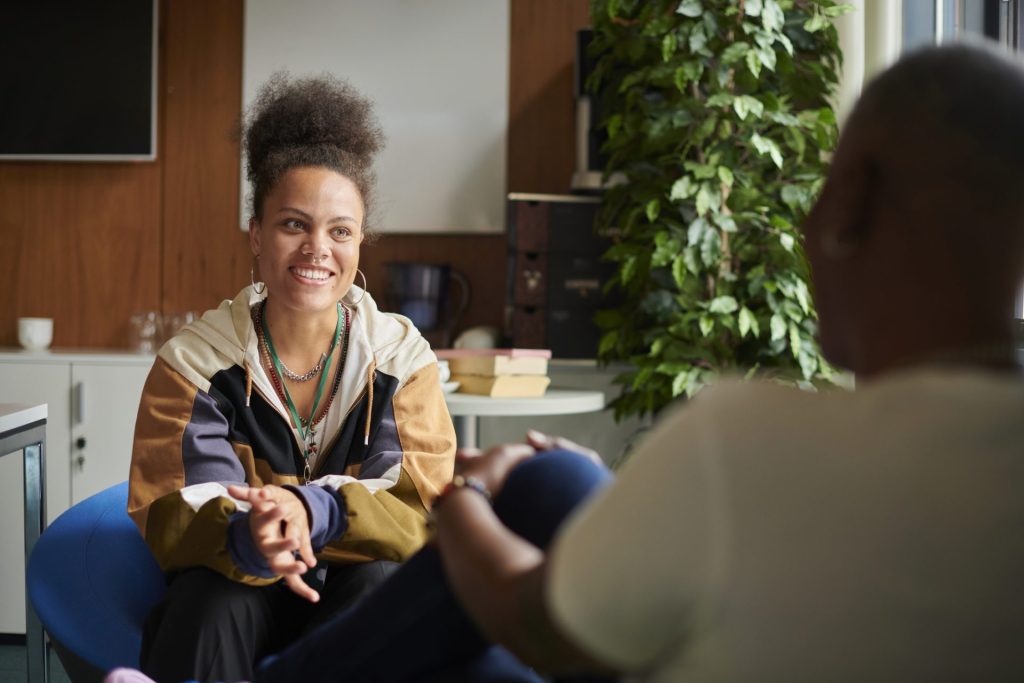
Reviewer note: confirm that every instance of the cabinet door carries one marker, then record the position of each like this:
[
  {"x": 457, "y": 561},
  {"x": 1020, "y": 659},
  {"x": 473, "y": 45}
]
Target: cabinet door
[
  {"x": 30, "y": 382},
  {"x": 105, "y": 401}
]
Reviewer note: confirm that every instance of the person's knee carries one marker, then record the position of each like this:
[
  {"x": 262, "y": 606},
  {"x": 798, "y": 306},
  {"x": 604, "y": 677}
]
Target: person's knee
[
  {"x": 572, "y": 474},
  {"x": 541, "y": 492}
]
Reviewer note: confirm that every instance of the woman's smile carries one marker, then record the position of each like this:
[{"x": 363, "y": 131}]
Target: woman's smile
[{"x": 311, "y": 275}]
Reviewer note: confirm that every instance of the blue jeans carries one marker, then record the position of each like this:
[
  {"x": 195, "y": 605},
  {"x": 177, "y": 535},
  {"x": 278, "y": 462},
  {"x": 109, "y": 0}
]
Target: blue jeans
[{"x": 411, "y": 628}]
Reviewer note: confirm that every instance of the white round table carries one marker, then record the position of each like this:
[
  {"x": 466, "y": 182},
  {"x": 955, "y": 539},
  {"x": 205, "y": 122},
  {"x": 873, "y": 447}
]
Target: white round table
[{"x": 467, "y": 409}]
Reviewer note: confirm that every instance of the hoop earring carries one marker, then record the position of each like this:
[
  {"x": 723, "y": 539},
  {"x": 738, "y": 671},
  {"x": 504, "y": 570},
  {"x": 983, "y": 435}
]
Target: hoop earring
[
  {"x": 252, "y": 280},
  {"x": 356, "y": 303}
]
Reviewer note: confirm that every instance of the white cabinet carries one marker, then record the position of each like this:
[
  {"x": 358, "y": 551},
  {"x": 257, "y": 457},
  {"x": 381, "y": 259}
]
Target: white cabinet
[{"x": 92, "y": 400}]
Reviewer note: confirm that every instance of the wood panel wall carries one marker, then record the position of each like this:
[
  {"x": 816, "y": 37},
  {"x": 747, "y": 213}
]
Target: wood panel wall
[{"x": 90, "y": 244}]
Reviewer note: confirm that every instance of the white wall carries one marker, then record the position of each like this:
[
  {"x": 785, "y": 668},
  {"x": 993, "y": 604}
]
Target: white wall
[{"x": 438, "y": 73}]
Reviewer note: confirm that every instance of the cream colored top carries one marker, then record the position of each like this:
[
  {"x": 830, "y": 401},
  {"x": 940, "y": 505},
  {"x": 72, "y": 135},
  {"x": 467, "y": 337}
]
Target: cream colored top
[{"x": 765, "y": 534}]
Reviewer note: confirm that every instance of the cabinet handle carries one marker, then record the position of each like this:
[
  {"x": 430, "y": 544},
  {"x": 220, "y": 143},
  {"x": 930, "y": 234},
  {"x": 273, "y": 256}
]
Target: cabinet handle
[
  {"x": 78, "y": 403},
  {"x": 80, "y": 461},
  {"x": 80, "y": 443}
]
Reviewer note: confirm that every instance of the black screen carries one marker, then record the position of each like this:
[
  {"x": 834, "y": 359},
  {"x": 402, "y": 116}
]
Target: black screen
[{"x": 76, "y": 78}]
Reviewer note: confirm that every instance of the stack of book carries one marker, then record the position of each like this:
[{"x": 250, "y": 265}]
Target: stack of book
[{"x": 501, "y": 373}]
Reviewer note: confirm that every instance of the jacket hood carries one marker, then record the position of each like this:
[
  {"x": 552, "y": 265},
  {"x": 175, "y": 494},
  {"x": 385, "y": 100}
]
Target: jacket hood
[{"x": 225, "y": 336}]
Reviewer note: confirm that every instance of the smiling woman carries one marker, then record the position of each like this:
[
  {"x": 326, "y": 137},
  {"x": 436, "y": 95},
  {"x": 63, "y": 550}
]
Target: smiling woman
[{"x": 288, "y": 443}]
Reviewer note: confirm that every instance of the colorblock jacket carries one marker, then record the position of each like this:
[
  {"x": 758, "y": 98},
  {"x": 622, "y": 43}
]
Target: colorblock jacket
[{"x": 209, "y": 417}]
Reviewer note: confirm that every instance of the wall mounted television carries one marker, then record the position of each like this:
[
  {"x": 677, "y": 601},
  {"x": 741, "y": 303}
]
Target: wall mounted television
[{"x": 78, "y": 80}]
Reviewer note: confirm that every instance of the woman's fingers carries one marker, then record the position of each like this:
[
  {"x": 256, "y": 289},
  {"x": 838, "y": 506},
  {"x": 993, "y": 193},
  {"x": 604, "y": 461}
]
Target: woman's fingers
[
  {"x": 301, "y": 588},
  {"x": 548, "y": 442}
]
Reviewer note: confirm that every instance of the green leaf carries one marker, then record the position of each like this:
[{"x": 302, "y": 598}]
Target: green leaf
[
  {"x": 794, "y": 339},
  {"x": 787, "y": 241},
  {"x": 614, "y": 124},
  {"x": 707, "y": 324},
  {"x": 745, "y": 104},
  {"x": 792, "y": 311},
  {"x": 725, "y": 175},
  {"x": 690, "y": 8},
  {"x": 794, "y": 196},
  {"x": 694, "y": 382},
  {"x": 745, "y": 317},
  {"x": 778, "y": 327},
  {"x": 668, "y": 46},
  {"x": 689, "y": 71},
  {"x": 839, "y": 10},
  {"x": 808, "y": 363},
  {"x": 690, "y": 259},
  {"x": 772, "y": 17},
  {"x": 679, "y": 271},
  {"x": 628, "y": 270},
  {"x": 695, "y": 233},
  {"x": 698, "y": 39},
  {"x": 816, "y": 23},
  {"x": 700, "y": 171},
  {"x": 707, "y": 127},
  {"x": 721, "y": 99},
  {"x": 657, "y": 347},
  {"x": 608, "y": 341},
  {"x": 767, "y": 57},
  {"x": 711, "y": 248},
  {"x": 766, "y": 146},
  {"x": 751, "y": 321},
  {"x": 753, "y": 8},
  {"x": 735, "y": 52},
  {"x": 703, "y": 199},
  {"x": 754, "y": 63},
  {"x": 726, "y": 223},
  {"x": 679, "y": 383},
  {"x": 682, "y": 189},
  {"x": 652, "y": 210},
  {"x": 786, "y": 42},
  {"x": 723, "y": 304},
  {"x": 803, "y": 296},
  {"x": 739, "y": 105}
]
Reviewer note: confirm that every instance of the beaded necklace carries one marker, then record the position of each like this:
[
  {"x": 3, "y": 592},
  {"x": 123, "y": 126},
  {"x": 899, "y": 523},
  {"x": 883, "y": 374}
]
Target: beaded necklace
[{"x": 305, "y": 426}]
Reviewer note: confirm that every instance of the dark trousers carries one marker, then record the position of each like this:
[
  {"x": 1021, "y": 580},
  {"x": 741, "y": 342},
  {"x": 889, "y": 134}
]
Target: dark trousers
[
  {"x": 210, "y": 628},
  {"x": 412, "y": 628}
]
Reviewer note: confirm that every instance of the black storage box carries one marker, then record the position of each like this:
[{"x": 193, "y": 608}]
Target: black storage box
[{"x": 555, "y": 274}]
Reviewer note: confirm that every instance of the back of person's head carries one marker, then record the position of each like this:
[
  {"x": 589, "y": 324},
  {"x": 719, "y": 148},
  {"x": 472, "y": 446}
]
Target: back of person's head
[
  {"x": 310, "y": 122},
  {"x": 922, "y": 217}
]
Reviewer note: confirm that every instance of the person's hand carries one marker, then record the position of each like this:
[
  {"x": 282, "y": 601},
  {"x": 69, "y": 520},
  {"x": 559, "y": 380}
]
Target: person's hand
[
  {"x": 548, "y": 442},
  {"x": 279, "y": 526},
  {"x": 491, "y": 467}
]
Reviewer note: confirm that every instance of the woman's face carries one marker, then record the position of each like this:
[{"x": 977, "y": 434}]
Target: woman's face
[{"x": 308, "y": 239}]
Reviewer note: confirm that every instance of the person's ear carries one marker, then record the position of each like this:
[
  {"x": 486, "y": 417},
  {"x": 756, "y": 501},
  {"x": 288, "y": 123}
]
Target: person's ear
[
  {"x": 254, "y": 236},
  {"x": 849, "y": 217}
]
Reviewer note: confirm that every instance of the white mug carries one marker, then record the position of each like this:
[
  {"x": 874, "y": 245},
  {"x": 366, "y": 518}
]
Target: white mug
[
  {"x": 444, "y": 370},
  {"x": 35, "y": 334}
]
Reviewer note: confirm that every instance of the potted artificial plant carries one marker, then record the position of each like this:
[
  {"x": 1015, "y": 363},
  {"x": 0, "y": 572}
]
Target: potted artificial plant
[{"x": 719, "y": 123}]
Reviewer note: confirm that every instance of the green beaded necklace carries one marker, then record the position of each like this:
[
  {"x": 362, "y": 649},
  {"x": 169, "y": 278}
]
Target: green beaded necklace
[{"x": 305, "y": 426}]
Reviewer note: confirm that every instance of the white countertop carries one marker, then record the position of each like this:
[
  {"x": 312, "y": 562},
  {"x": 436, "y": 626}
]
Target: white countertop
[
  {"x": 16, "y": 415},
  {"x": 553, "y": 402},
  {"x": 110, "y": 356}
]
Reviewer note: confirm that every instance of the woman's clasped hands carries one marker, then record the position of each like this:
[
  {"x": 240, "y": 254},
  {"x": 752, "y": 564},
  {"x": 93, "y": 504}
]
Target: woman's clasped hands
[{"x": 279, "y": 524}]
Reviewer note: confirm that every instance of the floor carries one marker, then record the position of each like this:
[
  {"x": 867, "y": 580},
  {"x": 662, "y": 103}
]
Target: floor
[{"x": 12, "y": 666}]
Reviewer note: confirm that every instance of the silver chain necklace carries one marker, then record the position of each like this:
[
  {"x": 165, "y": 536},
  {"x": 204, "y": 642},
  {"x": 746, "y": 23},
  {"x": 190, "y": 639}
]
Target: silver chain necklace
[
  {"x": 306, "y": 376},
  {"x": 295, "y": 377}
]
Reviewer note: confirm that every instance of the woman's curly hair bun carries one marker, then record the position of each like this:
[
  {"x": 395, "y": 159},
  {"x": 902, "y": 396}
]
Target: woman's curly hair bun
[{"x": 321, "y": 121}]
